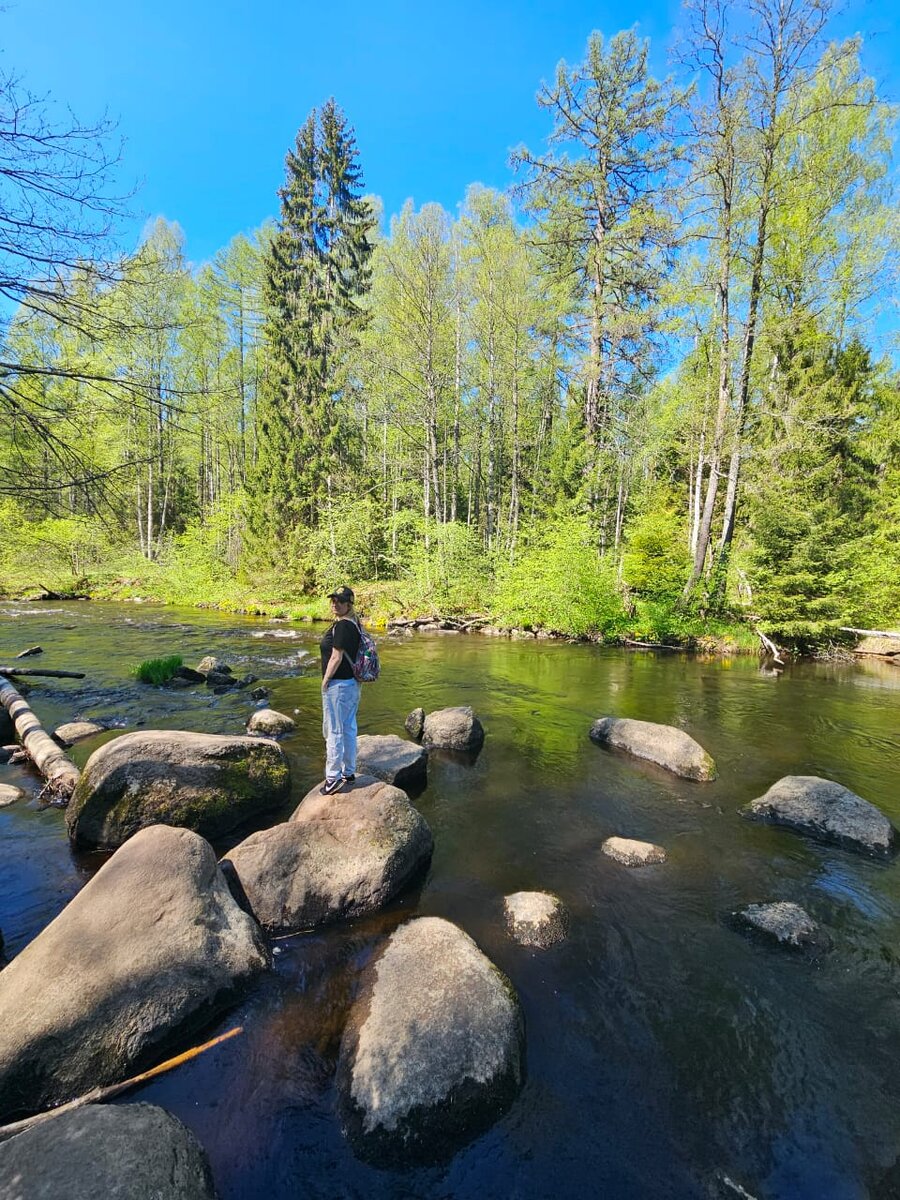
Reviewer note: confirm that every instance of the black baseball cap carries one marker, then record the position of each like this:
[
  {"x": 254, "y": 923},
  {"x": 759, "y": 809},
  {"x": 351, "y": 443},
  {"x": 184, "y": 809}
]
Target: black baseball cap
[{"x": 343, "y": 595}]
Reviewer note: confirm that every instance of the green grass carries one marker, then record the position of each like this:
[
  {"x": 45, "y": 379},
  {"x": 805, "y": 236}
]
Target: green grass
[{"x": 158, "y": 670}]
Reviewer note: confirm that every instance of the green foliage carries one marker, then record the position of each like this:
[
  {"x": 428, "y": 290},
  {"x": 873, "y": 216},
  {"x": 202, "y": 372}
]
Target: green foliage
[
  {"x": 558, "y": 582},
  {"x": 656, "y": 560},
  {"x": 158, "y": 671},
  {"x": 450, "y": 574}
]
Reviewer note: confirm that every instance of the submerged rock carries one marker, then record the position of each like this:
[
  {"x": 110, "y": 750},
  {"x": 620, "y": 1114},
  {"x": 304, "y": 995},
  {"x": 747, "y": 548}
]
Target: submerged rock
[
  {"x": 118, "y": 1152},
  {"x": 782, "y": 922},
  {"x": 827, "y": 811},
  {"x": 207, "y": 782},
  {"x": 259, "y": 693},
  {"x": 432, "y": 1052},
  {"x": 149, "y": 950},
  {"x": 221, "y": 681},
  {"x": 77, "y": 731},
  {"x": 189, "y": 675},
  {"x": 630, "y": 853},
  {"x": 662, "y": 744},
  {"x": 338, "y": 856},
  {"x": 9, "y": 794},
  {"x": 269, "y": 723},
  {"x": 536, "y": 918},
  {"x": 453, "y": 729},
  {"x": 415, "y": 722},
  {"x": 392, "y": 759}
]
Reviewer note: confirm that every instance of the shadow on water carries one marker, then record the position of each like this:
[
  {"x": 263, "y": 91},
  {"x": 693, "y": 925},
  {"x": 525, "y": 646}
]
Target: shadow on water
[{"x": 666, "y": 1055}]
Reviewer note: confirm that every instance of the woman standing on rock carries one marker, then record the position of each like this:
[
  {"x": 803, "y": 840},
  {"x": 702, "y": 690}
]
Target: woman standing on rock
[{"x": 340, "y": 692}]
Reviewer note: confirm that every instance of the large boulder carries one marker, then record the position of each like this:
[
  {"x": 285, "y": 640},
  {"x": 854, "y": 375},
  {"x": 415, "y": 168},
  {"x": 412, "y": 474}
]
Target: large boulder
[
  {"x": 536, "y": 918},
  {"x": 392, "y": 759},
  {"x": 782, "y": 923},
  {"x": 453, "y": 729},
  {"x": 76, "y": 731},
  {"x": 206, "y": 782},
  {"x": 269, "y": 723},
  {"x": 662, "y": 744},
  {"x": 432, "y": 1051},
  {"x": 338, "y": 856},
  {"x": 827, "y": 811},
  {"x": 149, "y": 950},
  {"x": 118, "y": 1152}
]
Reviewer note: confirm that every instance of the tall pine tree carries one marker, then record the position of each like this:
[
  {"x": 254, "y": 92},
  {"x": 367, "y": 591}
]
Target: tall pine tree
[{"x": 316, "y": 271}]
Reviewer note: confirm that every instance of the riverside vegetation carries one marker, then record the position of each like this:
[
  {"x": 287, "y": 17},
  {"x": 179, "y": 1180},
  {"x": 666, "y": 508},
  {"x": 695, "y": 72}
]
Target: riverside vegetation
[{"x": 637, "y": 397}]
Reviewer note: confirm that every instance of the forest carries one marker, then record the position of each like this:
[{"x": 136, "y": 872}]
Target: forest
[{"x": 646, "y": 393}]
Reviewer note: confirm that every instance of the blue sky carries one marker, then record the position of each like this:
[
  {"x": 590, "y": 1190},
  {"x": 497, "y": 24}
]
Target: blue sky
[{"x": 208, "y": 96}]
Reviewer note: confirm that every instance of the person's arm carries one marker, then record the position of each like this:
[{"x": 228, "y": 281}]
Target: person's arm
[{"x": 333, "y": 663}]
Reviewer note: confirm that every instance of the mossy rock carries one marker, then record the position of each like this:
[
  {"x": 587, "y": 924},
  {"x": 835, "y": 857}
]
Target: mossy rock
[{"x": 206, "y": 782}]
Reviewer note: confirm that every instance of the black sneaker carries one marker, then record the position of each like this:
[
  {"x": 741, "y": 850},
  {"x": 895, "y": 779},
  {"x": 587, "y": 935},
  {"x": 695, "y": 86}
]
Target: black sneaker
[
  {"x": 348, "y": 779},
  {"x": 330, "y": 786}
]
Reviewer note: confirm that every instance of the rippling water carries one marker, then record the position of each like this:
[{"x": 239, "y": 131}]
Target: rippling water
[{"x": 666, "y": 1055}]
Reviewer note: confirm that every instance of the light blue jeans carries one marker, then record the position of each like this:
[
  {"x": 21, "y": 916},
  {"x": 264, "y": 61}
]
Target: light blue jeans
[{"x": 340, "y": 700}]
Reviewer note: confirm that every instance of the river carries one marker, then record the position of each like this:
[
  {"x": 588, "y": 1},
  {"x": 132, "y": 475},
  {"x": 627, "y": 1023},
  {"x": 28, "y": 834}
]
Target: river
[{"x": 667, "y": 1056}]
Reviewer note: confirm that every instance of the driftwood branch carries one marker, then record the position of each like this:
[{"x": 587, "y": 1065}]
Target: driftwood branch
[
  {"x": 53, "y": 763},
  {"x": 41, "y": 671},
  {"x": 770, "y": 647},
  {"x": 98, "y": 1095},
  {"x": 651, "y": 645}
]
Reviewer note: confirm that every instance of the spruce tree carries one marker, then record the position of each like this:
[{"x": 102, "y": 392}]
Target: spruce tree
[{"x": 316, "y": 271}]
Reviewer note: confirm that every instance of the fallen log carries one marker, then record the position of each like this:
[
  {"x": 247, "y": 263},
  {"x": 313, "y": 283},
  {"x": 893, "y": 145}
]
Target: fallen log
[
  {"x": 883, "y": 633},
  {"x": 30, "y": 651},
  {"x": 100, "y": 1094},
  {"x": 53, "y": 763},
  {"x": 41, "y": 671},
  {"x": 651, "y": 645}
]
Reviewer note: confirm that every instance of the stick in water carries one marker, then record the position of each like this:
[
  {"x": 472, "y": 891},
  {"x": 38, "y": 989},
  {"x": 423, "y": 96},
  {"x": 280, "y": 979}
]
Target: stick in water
[{"x": 98, "y": 1095}]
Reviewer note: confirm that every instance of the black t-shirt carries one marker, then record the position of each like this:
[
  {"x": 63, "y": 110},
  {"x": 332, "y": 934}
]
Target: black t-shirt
[{"x": 343, "y": 635}]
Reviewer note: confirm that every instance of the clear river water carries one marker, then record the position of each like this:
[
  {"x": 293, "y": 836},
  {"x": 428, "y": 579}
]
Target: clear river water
[{"x": 666, "y": 1055}]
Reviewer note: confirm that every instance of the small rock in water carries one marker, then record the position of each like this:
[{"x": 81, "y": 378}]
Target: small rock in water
[
  {"x": 392, "y": 759},
  {"x": 77, "y": 731},
  {"x": 415, "y": 722},
  {"x": 631, "y": 853},
  {"x": 9, "y": 794},
  {"x": 536, "y": 918},
  {"x": 661, "y": 744},
  {"x": 130, "y": 1152},
  {"x": 826, "y": 810},
  {"x": 217, "y": 665},
  {"x": 259, "y": 693},
  {"x": 453, "y": 729},
  {"x": 269, "y": 723},
  {"x": 782, "y": 922}
]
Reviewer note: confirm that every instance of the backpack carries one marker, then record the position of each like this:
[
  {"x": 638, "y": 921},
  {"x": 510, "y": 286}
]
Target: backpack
[{"x": 366, "y": 667}]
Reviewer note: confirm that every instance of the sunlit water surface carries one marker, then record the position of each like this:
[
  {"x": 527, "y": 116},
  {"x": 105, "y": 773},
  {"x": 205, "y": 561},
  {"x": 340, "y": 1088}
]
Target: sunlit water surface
[{"x": 666, "y": 1055}]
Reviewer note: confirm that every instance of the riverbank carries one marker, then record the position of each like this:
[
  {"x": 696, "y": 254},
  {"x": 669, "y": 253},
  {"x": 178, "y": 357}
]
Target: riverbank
[{"x": 388, "y": 605}]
